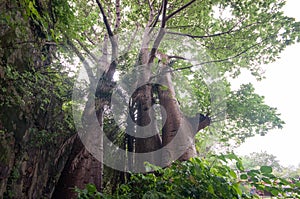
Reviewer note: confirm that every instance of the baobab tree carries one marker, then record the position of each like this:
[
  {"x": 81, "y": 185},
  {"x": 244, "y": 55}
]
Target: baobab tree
[
  {"x": 162, "y": 49},
  {"x": 230, "y": 35}
]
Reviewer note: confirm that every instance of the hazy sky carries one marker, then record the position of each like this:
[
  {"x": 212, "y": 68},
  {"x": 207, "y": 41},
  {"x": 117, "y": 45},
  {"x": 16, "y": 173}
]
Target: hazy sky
[{"x": 281, "y": 90}]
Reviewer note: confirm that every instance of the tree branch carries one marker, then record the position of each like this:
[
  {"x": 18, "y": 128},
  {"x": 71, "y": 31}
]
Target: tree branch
[
  {"x": 112, "y": 67},
  {"x": 153, "y": 24},
  {"x": 164, "y": 12},
  {"x": 161, "y": 32},
  {"x": 221, "y": 60},
  {"x": 106, "y": 23},
  {"x": 118, "y": 15},
  {"x": 87, "y": 50},
  {"x": 199, "y": 37},
  {"x": 88, "y": 38},
  {"x": 103, "y": 59},
  {"x": 151, "y": 14},
  {"x": 180, "y": 9},
  {"x": 83, "y": 60},
  {"x": 229, "y": 31},
  {"x": 177, "y": 57}
]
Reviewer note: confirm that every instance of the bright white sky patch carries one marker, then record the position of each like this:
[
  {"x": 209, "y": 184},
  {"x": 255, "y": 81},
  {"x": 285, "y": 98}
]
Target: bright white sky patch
[
  {"x": 222, "y": 13},
  {"x": 281, "y": 90}
]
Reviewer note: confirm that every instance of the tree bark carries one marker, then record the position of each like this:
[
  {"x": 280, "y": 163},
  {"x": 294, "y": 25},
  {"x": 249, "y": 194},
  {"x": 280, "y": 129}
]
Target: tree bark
[
  {"x": 178, "y": 131},
  {"x": 173, "y": 118},
  {"x": 82, "y": 167},
  {"x": 147, "y": 134}
]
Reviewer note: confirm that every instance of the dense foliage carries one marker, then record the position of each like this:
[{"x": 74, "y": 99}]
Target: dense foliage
[
  {"x": 35, "y": 93},
  {"x": 196, "y": 178},
  {"x": 35, "y": 84}
]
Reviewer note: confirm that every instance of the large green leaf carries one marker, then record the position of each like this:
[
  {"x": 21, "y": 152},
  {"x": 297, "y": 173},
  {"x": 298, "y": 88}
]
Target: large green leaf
[{"x": 266, "y": 169}]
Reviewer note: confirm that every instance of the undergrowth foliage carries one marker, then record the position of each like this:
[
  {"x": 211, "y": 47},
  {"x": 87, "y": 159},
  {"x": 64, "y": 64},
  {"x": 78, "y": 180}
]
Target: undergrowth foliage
[{"x": 201, "y": 178}]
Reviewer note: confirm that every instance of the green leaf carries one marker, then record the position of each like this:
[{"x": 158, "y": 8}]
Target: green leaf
[
  {"x": 269, "y": 175},
  {"x": 33, "y": 10},
  {"x": 240, "y": 166},
  {"x": 274, "y": 192},
  {"x": 254, "y": 179},
  {"x": 266, "y": 169},
  {"x": 211, "y": 189},
  {"x": 266, "y": 180},
  {"x": 253, "y": 172},
  {"x": 232, "y": 174},
  {"x": 244, "y": 177},
  {"x": 163, "y": 87},
  {"x": 91, "y": 188},
  {"x": 236, "y": 187}
]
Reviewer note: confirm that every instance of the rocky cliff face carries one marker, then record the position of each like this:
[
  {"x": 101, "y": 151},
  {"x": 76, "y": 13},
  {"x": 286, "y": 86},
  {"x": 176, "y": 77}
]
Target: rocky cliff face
[
  {"x": 36, "y": 132},
  {"x": 31, "y": 172}
]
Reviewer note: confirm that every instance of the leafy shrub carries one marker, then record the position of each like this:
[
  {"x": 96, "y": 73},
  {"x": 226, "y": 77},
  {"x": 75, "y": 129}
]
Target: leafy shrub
[{"x": 204, "y": 178}]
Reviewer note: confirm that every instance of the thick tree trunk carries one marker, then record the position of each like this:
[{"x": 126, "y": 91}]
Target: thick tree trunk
[
  {"x": 82, "y": 167},
  {"x": 173, "y": 119},
  {"x": 178, "y": 131},
  {"x": 147, "y": 134},
  {"x": 147, "y": 138}
]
